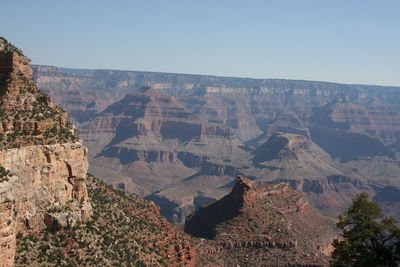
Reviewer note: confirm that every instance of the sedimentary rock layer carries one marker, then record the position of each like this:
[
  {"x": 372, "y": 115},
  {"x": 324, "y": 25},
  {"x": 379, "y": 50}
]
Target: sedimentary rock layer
[{"x": 43, "y": 165}]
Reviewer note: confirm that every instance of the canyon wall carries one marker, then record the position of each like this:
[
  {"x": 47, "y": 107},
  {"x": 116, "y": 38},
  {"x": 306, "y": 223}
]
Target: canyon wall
[
  {"x": 43, "y": 164},
  {"x": 45, "y": 190},
  {"x": 178, "y": 139}
]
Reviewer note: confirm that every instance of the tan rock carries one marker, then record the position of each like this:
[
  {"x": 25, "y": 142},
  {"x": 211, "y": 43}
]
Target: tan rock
[{"x": 45, "y": 177}]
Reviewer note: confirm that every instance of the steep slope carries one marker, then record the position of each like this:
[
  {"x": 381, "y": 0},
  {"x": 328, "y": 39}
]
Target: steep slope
[
  {"x": 124, "y": 231},
  {"x": 46, "y": 218},
  {"x": 43, "y": 164},
  {"x": 28, "y": 117},
  {"x": 269, "y": 225}
]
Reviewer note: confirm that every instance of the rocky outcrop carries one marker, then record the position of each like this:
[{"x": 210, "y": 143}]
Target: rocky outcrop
[
  {"x": 287, "y": 122},
  {"x": 28, "y": 117},
  {"x": 263, "y": 218},
  {"x": 47, "y": 176},
  {"x": 43, "y": 165},
  {"x": 242, "y": 197}
]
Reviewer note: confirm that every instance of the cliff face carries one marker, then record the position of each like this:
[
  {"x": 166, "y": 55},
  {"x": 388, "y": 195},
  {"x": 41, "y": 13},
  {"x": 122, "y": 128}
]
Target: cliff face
[
  {"x": 43, "y": 165},
  {"x": 262, "y": 225},
  {"x": 45, "y": 191},
  {"x": 349, "y": 131},
  {"x": 28, "y": 117}
]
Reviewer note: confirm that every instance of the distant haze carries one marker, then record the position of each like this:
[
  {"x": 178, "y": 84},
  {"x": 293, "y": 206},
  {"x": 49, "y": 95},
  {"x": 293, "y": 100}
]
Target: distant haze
[{"x": 339, "y": 41}]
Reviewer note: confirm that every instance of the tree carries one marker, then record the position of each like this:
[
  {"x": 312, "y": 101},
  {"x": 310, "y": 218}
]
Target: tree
[{"x": 369, "y": 239}]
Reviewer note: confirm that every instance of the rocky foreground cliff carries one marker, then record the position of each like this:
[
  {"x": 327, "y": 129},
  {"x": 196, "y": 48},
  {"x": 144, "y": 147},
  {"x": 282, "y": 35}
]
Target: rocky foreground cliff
[{"x": 43, "y": 164}]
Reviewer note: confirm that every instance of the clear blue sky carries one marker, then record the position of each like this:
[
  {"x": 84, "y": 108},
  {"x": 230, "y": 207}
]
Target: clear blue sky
[{"x": 350, "y": 41}]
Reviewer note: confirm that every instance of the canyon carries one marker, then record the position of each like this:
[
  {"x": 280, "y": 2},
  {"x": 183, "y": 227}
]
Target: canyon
[
  {"x": 188, "y": 154},
  {"x": 179, "y": 139}
]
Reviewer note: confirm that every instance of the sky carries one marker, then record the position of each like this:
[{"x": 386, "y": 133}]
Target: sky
[{"x": 347, "y": 41}]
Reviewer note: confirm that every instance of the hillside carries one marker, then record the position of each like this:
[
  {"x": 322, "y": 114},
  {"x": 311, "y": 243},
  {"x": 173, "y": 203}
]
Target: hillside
[{"x": 123, "y": 231}]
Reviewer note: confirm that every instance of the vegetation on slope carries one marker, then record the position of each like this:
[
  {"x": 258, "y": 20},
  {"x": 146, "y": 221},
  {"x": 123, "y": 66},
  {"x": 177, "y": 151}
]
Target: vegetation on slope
[
  {"x": 4, "y": 174},
  {"x": 39, "y": 124},
  {"x": 27, "y": 115},
  {"x": 124, "y": 231}
]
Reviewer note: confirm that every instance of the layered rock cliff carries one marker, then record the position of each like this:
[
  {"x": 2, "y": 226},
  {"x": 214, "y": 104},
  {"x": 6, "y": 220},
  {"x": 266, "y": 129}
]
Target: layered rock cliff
[
  {"x": 154, "y": 135},
  {"x": 349, "y": 131},
  {"x": 43, "y": 163}
]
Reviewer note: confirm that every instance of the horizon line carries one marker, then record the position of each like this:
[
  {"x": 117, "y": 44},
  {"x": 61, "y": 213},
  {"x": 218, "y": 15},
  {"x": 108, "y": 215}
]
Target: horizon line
[{"x": 218, "y": 76}]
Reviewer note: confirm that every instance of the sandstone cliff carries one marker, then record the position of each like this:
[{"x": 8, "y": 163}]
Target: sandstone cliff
[{"x": 43, "y": 163}]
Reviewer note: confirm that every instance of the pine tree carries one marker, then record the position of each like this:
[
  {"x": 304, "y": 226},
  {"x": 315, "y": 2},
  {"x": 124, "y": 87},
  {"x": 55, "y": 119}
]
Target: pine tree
[{"x": 369, "y": 239}]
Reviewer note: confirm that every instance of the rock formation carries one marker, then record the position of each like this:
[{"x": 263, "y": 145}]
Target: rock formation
[
  {"x": 263, "y": 225},
  {"x": 43, "y": 163},
  {"x": 154, "y": 135}
]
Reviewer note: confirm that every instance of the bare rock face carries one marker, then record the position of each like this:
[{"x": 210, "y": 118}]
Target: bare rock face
[
  {"x": 43, "y": 164},
  {"x": 49, "y": 177}
]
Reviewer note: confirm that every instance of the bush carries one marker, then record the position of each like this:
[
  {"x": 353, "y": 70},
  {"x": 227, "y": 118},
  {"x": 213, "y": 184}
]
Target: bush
[{"x": 4, "y": 174}]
